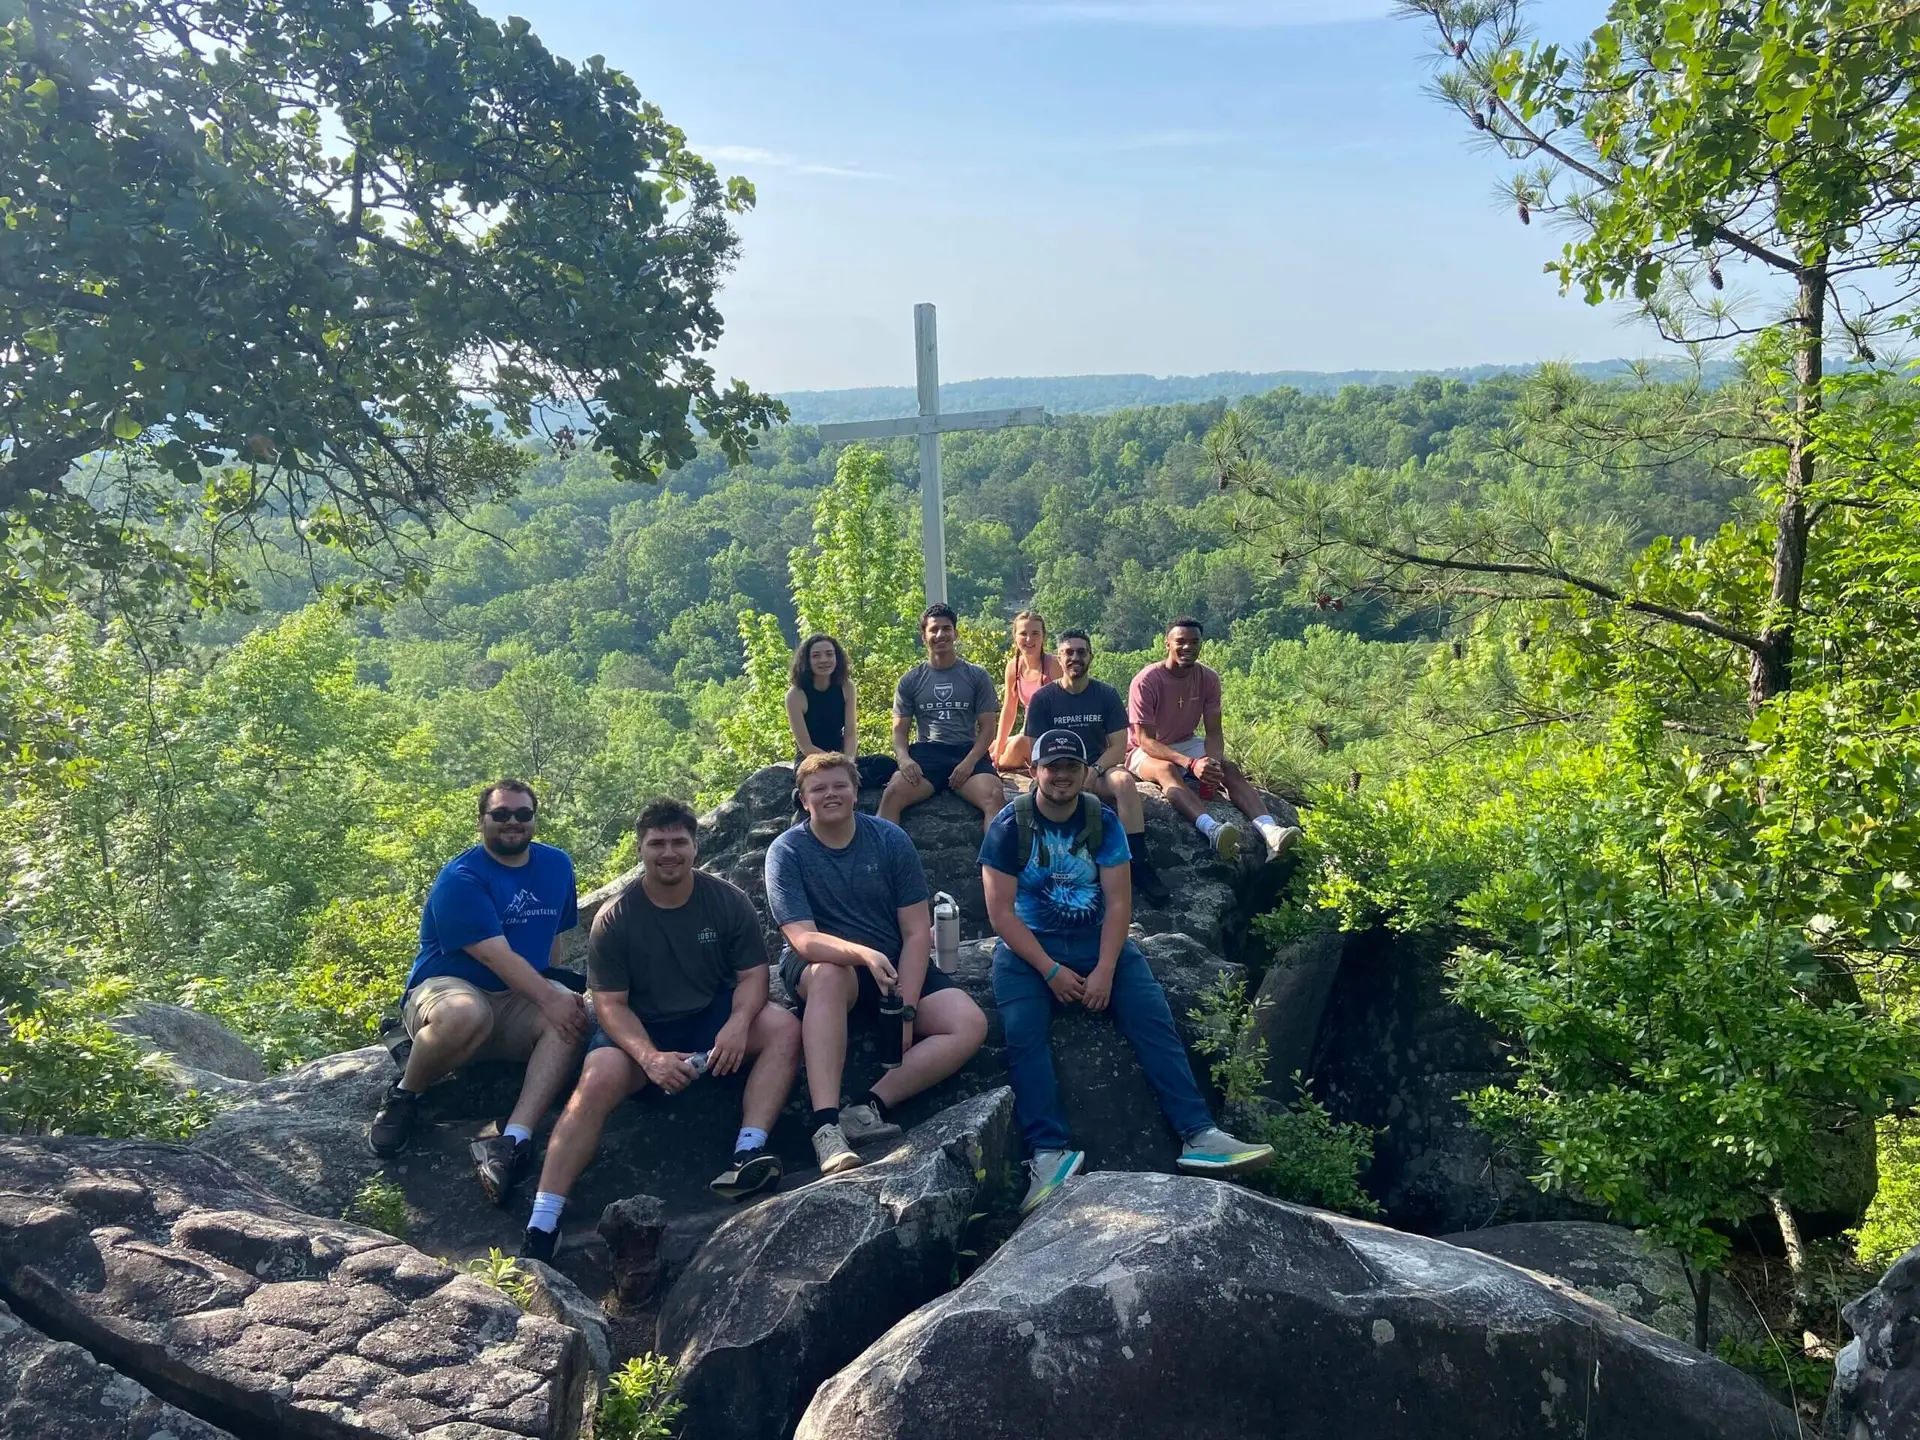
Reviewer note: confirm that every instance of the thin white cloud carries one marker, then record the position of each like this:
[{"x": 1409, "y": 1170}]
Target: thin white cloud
[
  {"x": 776, "y": 160},
  {"x": 1194, "y": 14}
]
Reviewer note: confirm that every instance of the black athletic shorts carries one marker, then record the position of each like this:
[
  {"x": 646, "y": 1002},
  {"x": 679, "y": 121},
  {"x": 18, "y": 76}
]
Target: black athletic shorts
[
  {"x": 936, "y": 762},
  {"x": 867, "y": 1006}
]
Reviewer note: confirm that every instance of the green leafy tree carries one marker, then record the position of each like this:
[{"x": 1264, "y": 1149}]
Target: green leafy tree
[
  {"x": 861, "y": 583},
  {"x": 1685, "y": 137},
  {"x": 299, "y": 258}
]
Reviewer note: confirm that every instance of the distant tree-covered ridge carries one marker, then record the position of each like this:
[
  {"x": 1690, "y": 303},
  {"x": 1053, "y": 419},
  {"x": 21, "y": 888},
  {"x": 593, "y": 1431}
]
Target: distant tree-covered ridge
[{"x": 1103, "y": 394}]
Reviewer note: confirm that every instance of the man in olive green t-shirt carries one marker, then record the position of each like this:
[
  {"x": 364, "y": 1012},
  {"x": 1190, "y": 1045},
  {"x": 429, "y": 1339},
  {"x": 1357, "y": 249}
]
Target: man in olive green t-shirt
[{"x": 678, "y": 969}]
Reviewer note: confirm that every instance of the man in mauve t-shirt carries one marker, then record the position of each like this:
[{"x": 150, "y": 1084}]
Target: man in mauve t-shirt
[
  {"x": 1177, "y": 743},
  {"x": 678, "y": 967}
]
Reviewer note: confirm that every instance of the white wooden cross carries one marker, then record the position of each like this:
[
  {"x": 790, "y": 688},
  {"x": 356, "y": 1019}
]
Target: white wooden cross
[{"x": 930, "y": 425}]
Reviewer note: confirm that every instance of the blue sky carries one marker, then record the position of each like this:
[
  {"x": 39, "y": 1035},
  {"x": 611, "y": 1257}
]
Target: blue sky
[{"x": 1172, "y": 186}]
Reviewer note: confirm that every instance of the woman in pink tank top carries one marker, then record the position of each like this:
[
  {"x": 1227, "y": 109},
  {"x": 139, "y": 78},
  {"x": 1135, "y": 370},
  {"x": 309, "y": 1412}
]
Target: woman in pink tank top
[{"x": 1029, "y": 666}]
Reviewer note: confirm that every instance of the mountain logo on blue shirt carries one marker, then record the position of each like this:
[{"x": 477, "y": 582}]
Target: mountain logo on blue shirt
[{"x": 525, "y": 906}]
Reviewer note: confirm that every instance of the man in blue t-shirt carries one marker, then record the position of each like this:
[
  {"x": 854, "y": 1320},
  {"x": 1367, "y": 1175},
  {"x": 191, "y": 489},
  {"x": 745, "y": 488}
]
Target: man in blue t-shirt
[
  {"x": 479, "y": 990},
  {"x": 850, "y": 898},
  {"x": 1055, "y": 869}
]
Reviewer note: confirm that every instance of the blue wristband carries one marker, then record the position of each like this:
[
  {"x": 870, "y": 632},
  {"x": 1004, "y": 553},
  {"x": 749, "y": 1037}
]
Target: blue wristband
[{"x": 1053, "y": 972}]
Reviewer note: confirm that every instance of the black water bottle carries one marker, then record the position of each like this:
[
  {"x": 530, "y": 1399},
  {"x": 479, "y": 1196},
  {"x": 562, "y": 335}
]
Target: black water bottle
[{"x": 893, "y": 1013}]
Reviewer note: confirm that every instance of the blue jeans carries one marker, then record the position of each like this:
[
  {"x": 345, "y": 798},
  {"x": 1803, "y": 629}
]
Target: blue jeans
[{"x": 1138, "y": 1007}]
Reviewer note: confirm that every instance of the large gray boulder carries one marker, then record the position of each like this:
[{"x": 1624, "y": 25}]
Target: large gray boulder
[
  {"x": 1164, "y": 1306},
  {"x": 50, "y": 1390},
  {"x": 1617, "y": 1267},
  {"x": 166, "y": 1265},
  {"x": 787, "y": 1292},
  {"x": 1876, "y": 1380},
  {"x": 197, "y": 1043}
]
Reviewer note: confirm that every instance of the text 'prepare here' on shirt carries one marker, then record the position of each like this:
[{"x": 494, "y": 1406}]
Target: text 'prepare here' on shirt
[
  {"x": 475, "y": 898},
  {"x": 672, "y": 962},
  {"x": 945, "y": 703},
  {"x": 1175, "y": 705},
  {"x": 1058, "y": 894},
  {"x": 856, "y": 892},
  {"x": 1095, "y": 713}
]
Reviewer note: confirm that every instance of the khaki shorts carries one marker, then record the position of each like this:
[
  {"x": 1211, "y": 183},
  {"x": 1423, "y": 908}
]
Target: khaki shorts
[
  {"x": 517, "y": 1025},
  {"x": 1193, "y": 747}
]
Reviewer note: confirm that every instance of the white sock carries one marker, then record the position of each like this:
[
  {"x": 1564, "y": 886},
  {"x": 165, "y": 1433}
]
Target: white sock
[
  {"x": 519, "y": 1134},
  {"x": 1206, "y": 825},
  {"x": 751, "y": 1137},
  {"x": 546, "y": 1211},
  {"x": 1266, "y": 824}
]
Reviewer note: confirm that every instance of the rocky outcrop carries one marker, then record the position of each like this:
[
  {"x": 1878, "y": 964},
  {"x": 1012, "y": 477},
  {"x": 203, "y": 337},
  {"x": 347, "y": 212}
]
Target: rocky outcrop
[
  {"x": 1161, "y": 1306},
  {"x": 1876, "y": 1380},
  {"x": 1613, "y": 1265},
  {"x": 1394, "y": 1052},
  {"x": 195, "y": 1042},
  {"x": 302, "y": 1135},
  {"x": 50, "y": 1390},
  {"x": 1209, "y": 900},
  {"x": 1289, "y": 1005},
  {"x": 168, "y": 1267},
  {"x": 788, "y": 1291}
]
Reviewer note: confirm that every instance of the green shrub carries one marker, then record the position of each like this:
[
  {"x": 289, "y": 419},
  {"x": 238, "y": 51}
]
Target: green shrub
[
  {"x": 380, "y": 1205},
  {"x": 64, "y": 1071},
  {"x": 1317, "y": 1160},
  {"x": 1892, "y": 1226},
  {"x": 639, "y": 1403},
  {"x": 503, "y": 1273}
]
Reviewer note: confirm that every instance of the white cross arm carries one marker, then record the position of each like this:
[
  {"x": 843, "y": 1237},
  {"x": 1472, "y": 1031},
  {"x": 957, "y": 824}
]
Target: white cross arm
[{"x": 932, "y": 424}]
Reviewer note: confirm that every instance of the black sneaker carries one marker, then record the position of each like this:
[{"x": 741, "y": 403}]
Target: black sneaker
[
  {"x": 393, "y": 1122},
  {"x": 749, "y": 1172},
  {"x": 501, "y": 1163},
  {"x": 1147, "y": 883},
  {"x": 539, "y": 1244}
]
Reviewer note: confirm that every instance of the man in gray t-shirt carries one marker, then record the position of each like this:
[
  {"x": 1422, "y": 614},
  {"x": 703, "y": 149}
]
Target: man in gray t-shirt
[
  {"x": 850, "y": 898},
  {"x": 951, "y": 705}
]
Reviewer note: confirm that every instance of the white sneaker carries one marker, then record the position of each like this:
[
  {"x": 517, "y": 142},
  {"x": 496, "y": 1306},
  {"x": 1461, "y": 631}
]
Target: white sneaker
[
  {"x": 1226, "y": 842},
  {"x": 1050, "y": 1169},
  {"x": 830, "y": 1148},
  {"x": 862, "y": 1126},
  {"x": 1280, "y": 839}
]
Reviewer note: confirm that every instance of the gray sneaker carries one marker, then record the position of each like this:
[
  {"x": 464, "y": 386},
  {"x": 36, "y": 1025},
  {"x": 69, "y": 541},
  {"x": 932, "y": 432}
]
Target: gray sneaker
[
  {"x": 1226, "y": 843},
  {"x": 830, "y": 1148},
  {"x": 1214, "y": 1152},
  {"x": 1050, "y": 1170},
  {"x": 862, "y": 1126}
]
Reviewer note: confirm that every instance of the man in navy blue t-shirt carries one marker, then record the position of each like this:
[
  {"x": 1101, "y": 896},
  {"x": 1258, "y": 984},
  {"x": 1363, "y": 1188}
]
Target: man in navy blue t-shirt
[
  {"x": 1055, "y": 868},
  {"x": 479, "y": 989}
]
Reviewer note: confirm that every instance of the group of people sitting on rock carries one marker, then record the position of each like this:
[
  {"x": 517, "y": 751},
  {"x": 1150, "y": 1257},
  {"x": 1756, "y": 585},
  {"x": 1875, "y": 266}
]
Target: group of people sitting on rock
[
  {"x": 951, "y": 732},
  {"x": 677, "y": 962}
]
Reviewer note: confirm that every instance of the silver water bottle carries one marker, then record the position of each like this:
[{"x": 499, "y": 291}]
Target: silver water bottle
[{"x": 946, "y": 930}]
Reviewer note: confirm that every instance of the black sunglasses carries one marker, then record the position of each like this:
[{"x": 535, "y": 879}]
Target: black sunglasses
[{"x": 500, "y": 815}]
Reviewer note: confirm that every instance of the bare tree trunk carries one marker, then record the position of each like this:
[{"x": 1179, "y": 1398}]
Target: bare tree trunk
[
  {"x": 1770, "y": 672},
  {"x": 1700, "y": 1282},
  {"x": 1796, "y": 1263}
]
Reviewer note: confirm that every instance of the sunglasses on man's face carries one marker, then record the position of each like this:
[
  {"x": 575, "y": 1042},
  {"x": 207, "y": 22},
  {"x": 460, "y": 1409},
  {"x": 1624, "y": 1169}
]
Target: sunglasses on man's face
[{"x": 500, "y": 815}]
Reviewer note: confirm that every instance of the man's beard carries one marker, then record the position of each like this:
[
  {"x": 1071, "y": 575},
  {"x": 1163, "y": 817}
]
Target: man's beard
[{"x": 516, "y": 846}]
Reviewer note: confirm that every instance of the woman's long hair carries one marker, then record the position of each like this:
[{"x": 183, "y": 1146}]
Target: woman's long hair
[
  {"x": 802, "y": 672},
  {"x": 1013, "y": 636}
]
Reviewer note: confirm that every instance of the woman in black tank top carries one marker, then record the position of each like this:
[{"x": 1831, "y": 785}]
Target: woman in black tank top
[{"x": 822, "y": 710}]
